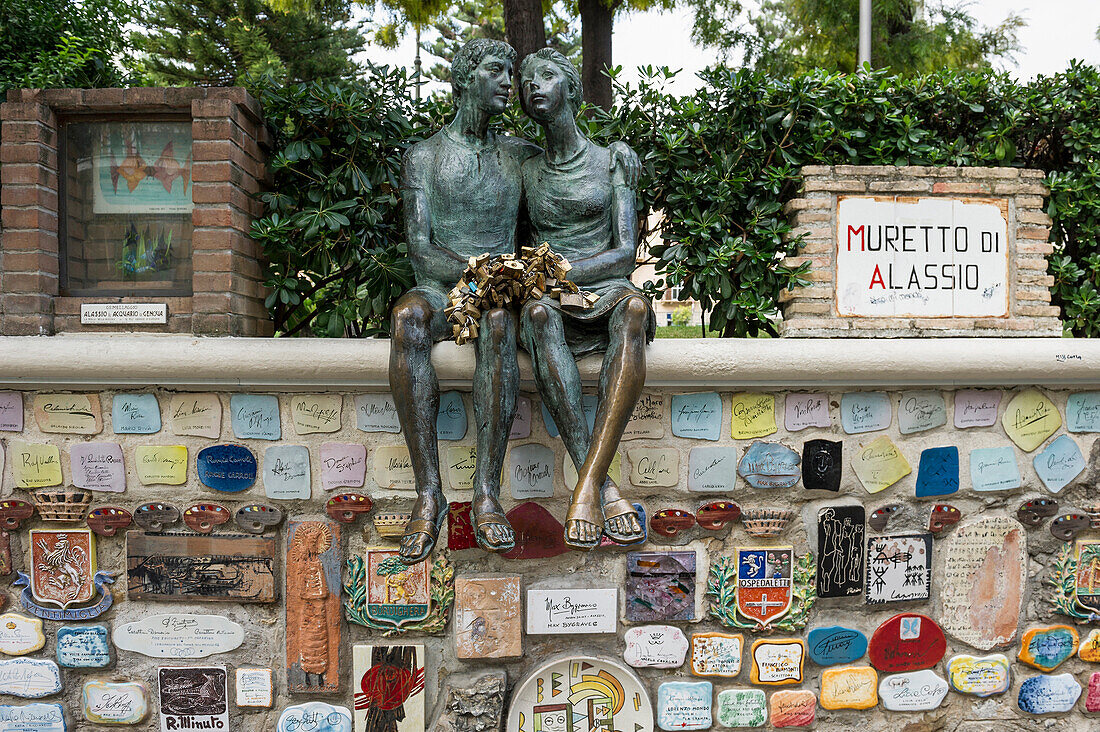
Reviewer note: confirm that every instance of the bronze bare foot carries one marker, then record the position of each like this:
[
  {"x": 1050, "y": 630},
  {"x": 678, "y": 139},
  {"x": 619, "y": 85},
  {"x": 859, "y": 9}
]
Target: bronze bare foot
[
  {"x": 423, "y": 528},
  {"x": 584, "y": 522},
  {"x": 621, "y": 522},
  {"x": 491, "y": 528}
]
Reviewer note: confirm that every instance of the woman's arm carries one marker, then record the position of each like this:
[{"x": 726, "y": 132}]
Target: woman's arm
[{"x": 619, "y": 260}]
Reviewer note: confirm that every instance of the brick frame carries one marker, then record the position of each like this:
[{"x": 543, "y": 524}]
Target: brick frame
[
  {"x": 810, "y": 311},
  {"x": 229, "y": 155}
]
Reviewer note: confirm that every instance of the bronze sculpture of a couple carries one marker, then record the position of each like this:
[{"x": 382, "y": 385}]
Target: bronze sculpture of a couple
[{"x": 467, "y": 191}]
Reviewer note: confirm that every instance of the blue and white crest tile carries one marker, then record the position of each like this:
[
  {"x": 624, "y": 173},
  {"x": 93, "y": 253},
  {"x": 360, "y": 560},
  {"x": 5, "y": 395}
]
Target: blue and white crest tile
[
  {"x": 865, "y": 411},
  {"x": 921, "y": 410},
  {"x": 1048, "y": 694},
  {"x": 697, "y": 416},
  {"x": 255, "y": 416},
  {"x": 314, "y": 716},
  {"x": 36, "y": 717},
  {"x": 684, "y": 705},
  {"x": 135, "y": 414},
  {"x": 1059, "y": 463},
  {"x": 834, "y": 645},
  {"x": 938, "y": 474},
  {"x": 994, "y": 469},
  {"x": 226, "y": 468},
  {"x": 451, "y": 422},
  {"x": 770, "y": 465},
  {"x": 83, "y": 646},
  {"x": 1083, "y": 412}
]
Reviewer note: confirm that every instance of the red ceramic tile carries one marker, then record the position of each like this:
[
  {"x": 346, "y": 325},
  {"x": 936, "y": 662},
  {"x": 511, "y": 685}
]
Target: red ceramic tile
[{"x": 907, "y": 642}]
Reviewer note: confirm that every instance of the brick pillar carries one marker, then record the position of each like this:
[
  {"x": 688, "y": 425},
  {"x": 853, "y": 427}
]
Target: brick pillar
[
  {"x": 229, "y": 167},
  {"x": 28, "y": 197}
]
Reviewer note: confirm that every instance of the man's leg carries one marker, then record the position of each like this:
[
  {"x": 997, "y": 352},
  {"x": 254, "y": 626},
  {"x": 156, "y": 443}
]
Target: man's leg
[
  {"x": 496, "y": 382},
  {"x": 415, "y": 389}
]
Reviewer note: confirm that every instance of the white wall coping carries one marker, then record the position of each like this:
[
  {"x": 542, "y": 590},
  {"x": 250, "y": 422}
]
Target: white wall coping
[{"x": 105, "y": 361}]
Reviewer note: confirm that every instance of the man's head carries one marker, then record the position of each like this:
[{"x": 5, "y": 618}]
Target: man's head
[{"x": 482, "y": 73}]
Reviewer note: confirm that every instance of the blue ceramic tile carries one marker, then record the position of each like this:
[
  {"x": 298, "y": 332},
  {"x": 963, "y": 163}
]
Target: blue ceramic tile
[
  {"x": 921, "y": 410},
  {"x": 1083, "y": 412},
  {"x": 1046, "y": 694},
  {"x": 864, "y": 411},
  {"x": 1059, "y": 463},
  {"x": 994, "y": 469},
  {"x": 83, "y": 646},
  {"x": 32, "y": 718},
  {"x": 938, "y": 474},
  {"x": 697, "y": 416},
  {"x": 226, "y": 468},
  {"x": 287, "y": 472},
  {"x": 712, "y": 469},
  {"x": 835, "y": 645},
  {"x": 684, "y": 705},
  {"x": 770, "y": 465},
  {"x": 135, "y": 414},
  {"x": 589, "y": 402},
  {"x": 255, "y": 416},
  {"x": 29, "y": 678},
  {"x": 315, "y": 716},
  {"x": 451, "y": 422}
]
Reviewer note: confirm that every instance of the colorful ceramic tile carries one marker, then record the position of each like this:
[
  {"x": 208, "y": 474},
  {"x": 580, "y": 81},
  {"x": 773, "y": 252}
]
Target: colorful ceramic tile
[
  {"x": 777, "y": 661},
  {"x": 287, "y": 474},
  {"x": 899, "y": 568},
  {"x": 716, "y": 515},
  {"x": 34, "y": 465},
  {"x": 906, "y": 642},
  {"x": 840, "y": 539},
  {"x": 752, "y": 416},
  {"x": 396, "y": 593},
  {"x": 1089, "y": 649},
  {"x": 716, "y": 654},
  {"x": 740, "y": 708},
  {"x": 98, "y": 466},
  {"x": 195, "y": 697},
  {"x": 834, "y": 645},
  {"x": 551, "y": 612},
  {"x": 393, "y": 467},
  {"x": 226, "y": 468},
  {"x": 589, "y": 402},
  {"x": 83, "y": 646},
  {"x": 654, "y": 467},
  {"x": 793, "y": 708},
  {"x": 865, "y": 411},
  {"x": 569, "y": 471},
  {"x": 179, "y": 635},
  {"x": 938, "y": 474},
  {"x": 1092, "y": 700},
  {"x": 13, "y": 512},
  {"x": 1045, "y": 694},
  {"x": 921, "y": 410},
  {"x": 255, "y": 416},
  {"x": 255, "y": 688},
  {"x": 195, "y": 415},
  {"x": 765, "y": 578},
  {"x": 63, "y": 565},
  {"x": 766, "y": 523},
  {"x": 985, "y": 580},
  {"x": 585, "y": 685},
  {"x": 316, "y": 413},
  {"x": 156, "y": 516},
  {"x": 941, "y": 516},
  {"x": 1032, "y": 513},
  {"x": 20, "y": 635},
  {"x": 29, "y": 678},
  {"x": 647, "y": 420},
  {"x": 521, "y": 423},
  {"x": 539, "y": 535},
  {"x": 389, "y": 688},
  {"x": 11, "y": 411},
  {"x": 1048, "y": 647},
  {"x": 671, "y": 521},
  {"x": 1067, "y": 526},
  {"x": 77, "y": 414},
  {"x": 994, "y": 469},
  {"x": 32, "y": 718},
  {"x": 109, "y": 520},
  {"x": 879, "y": 464},
  {"x": 684, "y": 705},
  {"x": 135, "y": 414},
  {"x": 313, "y": 586},
  {"x": 770, "y": 465},
  {"x": 348, "y": 507},
  {"x": 854, "y": 687},
  {"x": 451, "y": 422},
  {"x": 460, "y": 528},
  {"x": 712, "y": 469},
  {"x": 806, "y": 410},
  {"x": 106, "y": 702},
  {"x": 655, "y": 646},
  {"x": 915, "y": 691},
  {"x": 1059, "y": 463},
  {"x": 459, "y": 465},
  {"x": 1082, "y": 412},
  {"x": 697, "y": 416},
  {"x": 161, "y": 464},
  {"x": 979, "y": 675},
  {"x": 821, "y": 465},
  {"x": 343, "y": 465},
  {"x": 376, "y": 413},
  {"x": 976, "y": 408},
  {"x": 203, "y": 517},
  {"x": 316, "y": 717},
  {"x": 660, "y": 586},
  {"x": 1030, "y": 418},
  {"x": 531, "y": 471},
  {"x": 488, "y": 621},
  {"x": 190, "y": 568}
]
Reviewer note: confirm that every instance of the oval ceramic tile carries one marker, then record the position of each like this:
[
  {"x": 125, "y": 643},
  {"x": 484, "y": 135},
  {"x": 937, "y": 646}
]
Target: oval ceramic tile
[
  {"x": 777, "y": 661},
  {"x": 314, "y": 716},
  {"x": 716, "y": 654},
  {"x": 203, "y": 517},
  {"x": 108, "y": 702},
  {"x": 979, "y": 675},
  {"x": 13, "y": 512},
  {"x": 916, "y": 691},
  {"x": 258, "y": 517},
  {"x": 941, "y": 516},
  {"x": 347, "y": 507},
  {"x": 1089, "y": 649},
  {"x": 1048, "y": 694},
  {"x": 852, "y": 687},
  {"x": 655, "y": 646},
  {"x": 793, "y": 708},
  {"x": 835, "y": 645},
  {"x": 1031, "y": 513},
  {"x": 1048, "y": 647},
  {"x": 29, "y": 678},
  {"x": 1030, "y": 418},
  {"x": 669, "y": 522},
  {"x": 1067, "y": 526},
  {"x": 684, "y": 705},
  {"x": 179, "y": 635},
  {"x": 226, "y": 468},
  {"x": 35, "y": 717},
  {"x": 108, "y": 520},
  {"x": 156, "y": 516},
  {"x": 741, "y": 708},
  {"x": 770, "y": 465},
  {"x": 1059, "y": 463},
  {"x": 906, "y": 642},
  {"x": 716, "y": 515},
  {"x": 20, "y": 635}
]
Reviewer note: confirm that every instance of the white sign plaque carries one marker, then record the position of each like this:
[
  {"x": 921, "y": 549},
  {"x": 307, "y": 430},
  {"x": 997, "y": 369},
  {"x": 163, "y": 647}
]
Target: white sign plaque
[
  {"x": 123, "y": 313},
  {"x": 928, "y": 257},
  {"x": 572, "y": 611}
]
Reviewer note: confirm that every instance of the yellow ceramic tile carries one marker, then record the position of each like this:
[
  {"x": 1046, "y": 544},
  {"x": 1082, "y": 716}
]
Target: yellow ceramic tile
[
  {"x": 1030, "y": 418},
  {"x": 777, "y": 661},
  {"x": 460, "y": 466},
  {"x": 161, "y": 464},
  {"x": 1090, "y": 647},
  {"x": 77, "y": 414},
  {"x": 312, "y": 413},
  {"x": 855, "y": 687},
  {"x": 34, "y": 465},
  {"x": 393, "y": 468},
  {"x": 879, "y": 464},
  {"x": 753, "y": 415}
]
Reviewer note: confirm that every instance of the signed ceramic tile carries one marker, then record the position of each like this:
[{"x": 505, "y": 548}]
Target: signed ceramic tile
[
  {"x": 770, "y": 465},
  {"x": 34, "y": 465},
  {"x": 179, "y": 635},
  {"x": 83, "y": 646},
  {"x": 255, "y": 688},
  {"x": 1059, "y": 463},
  {"x": 316, "y": 413},
  {"x": 752, "y": 416},
  {"x": 451, "y": 422},
  {"x": 915, "y": 691},
  {"x": 712, "y": 469},
  {"x": 840, "y": 537},
  {"x": 109, "y": 702},
  {"x": 1089, "y": 650},
  {"x": 938, "y": 472},
  {"x": 582, "y": 683},
  {"x": 458, "y": 463},
  {"x": 589, "y": 402},
  {"x": 1092, "y": 699},
  {"x": 985, "y": 581},
  {"x": 11, "y": 411},
  {"x": 35, "y": 717},
  {"x": 1046, "y": 648},
  {"x": 255, "y": 416},
  {"x": 20, "y": 635},
  {"x": 822, "y": 465},
  {"x": 741, "y": 708},
  {"x": 193, "y": 697},
  {"x": 806, "y": 410},
  {"x": 97, "y": 466},
  {"x": 716, "y": 654},
  {"x": 1030, "y": 418},
  {"x": 161, "y": 464},
  {"x": 226, "y": 468},
  {"x": 865, "y": 411},
  {"x": 777, "y": 661},
  {"x": 569, "y": 471},
  {"x": 1045, "y": 694},
  {"x": 314, "y": 716},
  {"x": 136, "y": 414},
  {"x": 684, "y": 705},
  {"x": 655, "y": 646},
  {"x": 793, "y": 708},
  {"x": 531, "y": 471},
  {"x": 343, "y": 465},
  {"x": 979, "y": 675},
  {"x": 376, "y": 413},
  {"x": 77, "y": 414},
  {"x": 1082, "y": 412},
  {"x": 286, "y": 472},
  {"x": 654, "y": 467},
  {"x": 660, "y": 586},
  {"x": 697, "y": 416},
  {"x": 853, "y": 687},
  {"x": 521, "y": 423},
  {"x": 976, "y": 407},
  {"x": 834, "y": 645},
  {"x": 389, "y": 688},
  {"x": 647, "y": 420},
  {"x": 921, "y": 410},
  {"x": 906, "y": 642},
  {"x": 29, "y": 678},
  {"x": 195, "y": 415},
  {"x": 393, "y": 468},
  {"x": 879, "y": 464},
  {"x": 488, "y": 617},
  {"x": 899, "y": 568},
  {"x": 994, "y": 469},
  {"x": 572, "y": 611}
]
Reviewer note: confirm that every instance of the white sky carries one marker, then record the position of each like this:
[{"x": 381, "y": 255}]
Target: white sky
[{"x": 1057, "y": 31}]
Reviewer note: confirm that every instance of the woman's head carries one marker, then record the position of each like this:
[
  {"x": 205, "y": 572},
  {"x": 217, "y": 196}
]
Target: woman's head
[{"x": 547, "y": 80}]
